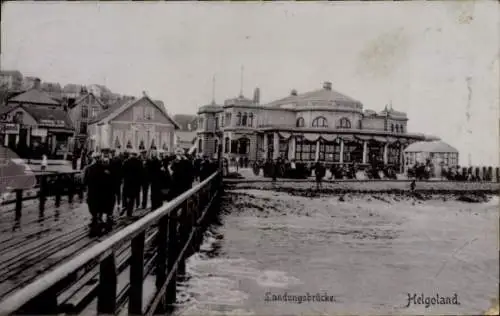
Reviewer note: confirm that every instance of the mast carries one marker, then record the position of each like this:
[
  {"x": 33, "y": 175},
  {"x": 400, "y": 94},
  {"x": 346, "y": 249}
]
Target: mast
[
  {"x": 241, "y": 81},
  {"x": 213, "y": 89}
]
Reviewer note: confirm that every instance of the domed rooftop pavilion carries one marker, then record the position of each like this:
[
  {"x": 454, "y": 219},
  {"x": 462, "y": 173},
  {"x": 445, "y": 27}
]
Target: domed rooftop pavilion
[{"x": 320, "y": 125}]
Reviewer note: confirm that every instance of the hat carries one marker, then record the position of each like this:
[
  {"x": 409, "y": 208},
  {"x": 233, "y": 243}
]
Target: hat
[{"x": 179, "y": 151}]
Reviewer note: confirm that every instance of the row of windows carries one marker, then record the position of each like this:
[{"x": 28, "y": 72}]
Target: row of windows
[
  {"x": 322, "y": 122},
  {"x": 85, "y": 112},
  {"x": 144, "y": 113},
  {"x": 244, "y": 119},
  {"x": 398, "y": 128}
]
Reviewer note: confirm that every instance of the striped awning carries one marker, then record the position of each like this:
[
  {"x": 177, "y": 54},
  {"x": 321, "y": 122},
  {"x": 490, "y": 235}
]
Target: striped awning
[
  {"x": 392, "y": 140},
  {"x": 364, "y": 137},
  {"x": 329, "y": 137},
  {"x": 312, "y": 137},
  {"x": 347, "y": 138},
  {"x": 380, "y": 139},
  {"x": 285, "y": 135}
]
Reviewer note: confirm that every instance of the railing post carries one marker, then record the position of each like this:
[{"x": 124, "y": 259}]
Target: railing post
[
  {"x": 81, "y": 188},
  {"x": 58, "y": 189},
  {"x": 173, "y": 252},
  {"x": 71, "y": 190},
  {"x": 136, "y": 274},
  {"x": 184, "y": 231},
  {"x": 161, "y": 262},
  {"x": 42, "y": 192},
  {"x": 19, "y": 203},
  {"x": 106, "y": 296}
]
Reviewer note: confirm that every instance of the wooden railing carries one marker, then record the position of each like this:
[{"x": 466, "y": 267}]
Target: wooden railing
[
  {"x": 167, "y": 232},
  {"x": 56, "y": 184}
]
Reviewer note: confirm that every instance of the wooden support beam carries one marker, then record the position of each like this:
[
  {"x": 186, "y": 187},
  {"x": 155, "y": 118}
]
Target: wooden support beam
[
  {"x": 106, "y": 292},
  {"x": 137, "y": 275}
]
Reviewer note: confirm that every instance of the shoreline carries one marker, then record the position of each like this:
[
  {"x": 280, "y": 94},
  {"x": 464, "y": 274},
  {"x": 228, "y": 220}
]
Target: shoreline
[{"x": 423, "y": 189}]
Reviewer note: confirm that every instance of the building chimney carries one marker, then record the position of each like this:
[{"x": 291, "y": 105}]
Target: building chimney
[
  {"x": 37, "y": 83},
  {"x": 293, "y": 92},
  {"x": 256, "y": 96},
  {"x": 327, "y": 85}
]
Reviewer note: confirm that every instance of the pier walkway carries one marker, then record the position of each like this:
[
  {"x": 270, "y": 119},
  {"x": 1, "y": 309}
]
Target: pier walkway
[{"x": 50, "y": 265}]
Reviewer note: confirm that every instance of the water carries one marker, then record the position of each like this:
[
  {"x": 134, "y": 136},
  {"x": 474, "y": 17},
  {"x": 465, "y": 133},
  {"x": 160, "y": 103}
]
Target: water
[{"x": 366, "y": 253}]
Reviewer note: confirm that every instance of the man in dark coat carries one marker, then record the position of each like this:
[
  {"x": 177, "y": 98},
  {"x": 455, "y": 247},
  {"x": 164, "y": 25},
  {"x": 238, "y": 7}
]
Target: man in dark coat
[
  {"x": 100, "y": 200},
  {"x": 132, "y": 168},
  {"x": 145, "y": 179},
  {"x": 116, "y": 166},
  {"x": 156, "y": 179},
  {"x": 204, "y": 169}
]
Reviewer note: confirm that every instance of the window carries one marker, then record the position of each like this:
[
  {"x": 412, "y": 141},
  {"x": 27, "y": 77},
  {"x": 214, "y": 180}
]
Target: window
[
  {"x": 401, "y": 129},
  {"x": 216, "y": 122},
  {"x": 250, "y": 121},
  {"x": 397, "y": 128},
  {"x": 94, "y": 112},
  {"x": 222, "y": 120},
  {"x": 148, "y": 113},
  {"x": 329, "y": 151},
  {"x": 300, "y": 122},
  {"x": 320, "y": 122},
  {"x": 305, "y": 150},
  {"x": 228, "y": 119},
  {"x": 393, "y": 153},
  {"x": 243, "y": 146},
  {"x": 83, "y": 127},
  {"x": 200, "y": 143},
  {"x": 392, "y": 127},
  {"x": 85, "y": 112},
  {"x": 283, "y": 147},
  {"x": 344, "y": 123},
  {"x": 244, "y": 120},
  {"x": 216, "y": 146},
  {"x": 353, "y": 152},
  {"x": 238, "y": 123},
  {"x": 360, "y": 124},
  {"x": 226, "y": 145},
  {"x": 234, "y": 146}
]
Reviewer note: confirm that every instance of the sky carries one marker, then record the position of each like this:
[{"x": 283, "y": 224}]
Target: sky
[{"x": 436, "y": 61}]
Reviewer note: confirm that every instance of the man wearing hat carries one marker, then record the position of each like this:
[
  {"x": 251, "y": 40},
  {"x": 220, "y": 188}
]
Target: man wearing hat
[
  {"x": 145, "y": 178},
  {"x": 100, "y": 199},
  {"x": 132, "y": 169}
]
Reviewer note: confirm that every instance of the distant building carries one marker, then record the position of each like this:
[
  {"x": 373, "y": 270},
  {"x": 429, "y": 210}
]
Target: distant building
[
  {"x": 33, "y": 118},
  {"x": 29, "y": 82},
  {"x": 321, "y": 125},
  {"x": 72, "y": 91},
  {"x": 186, "y": 136},
  {"x": 37, "y": 129},
  {"x": 133, "y": 124},
  {"x": 86, "y": 108},
  {"x": 439, "y": 153},
  {"x": 52, "y": 89},
  {"x": 11, "y": 79}
]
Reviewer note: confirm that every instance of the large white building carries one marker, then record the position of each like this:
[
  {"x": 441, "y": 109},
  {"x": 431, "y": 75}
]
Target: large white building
[{"x": 320, "y": 125}]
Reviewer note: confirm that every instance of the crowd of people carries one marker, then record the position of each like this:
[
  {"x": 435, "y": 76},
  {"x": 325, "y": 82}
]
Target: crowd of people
[
  {"x": 129, "y": 180},
  {"x": 283, "y": 168}
]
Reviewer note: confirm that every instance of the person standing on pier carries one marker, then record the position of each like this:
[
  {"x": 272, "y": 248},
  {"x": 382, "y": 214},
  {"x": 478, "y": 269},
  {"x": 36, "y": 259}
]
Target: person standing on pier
[
  {"x": 131, "y": 182},
  {"x": 108, "y": 199},
  {"x": 319, "y": 172},
  {"x": 116, "y": 166},
  {"x": 100, "y": 200},
  {"x": 145, "y": 179},
  {"x": 156, "y": 177},
  {"x": 91, "y": 181}
]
